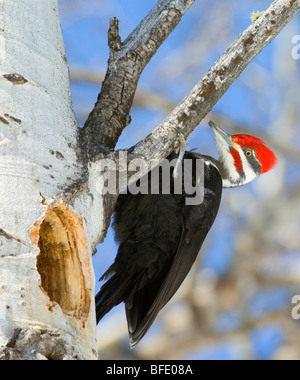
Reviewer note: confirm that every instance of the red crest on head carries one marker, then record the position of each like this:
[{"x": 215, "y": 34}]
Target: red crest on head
[{"x": 264, "y": 155}]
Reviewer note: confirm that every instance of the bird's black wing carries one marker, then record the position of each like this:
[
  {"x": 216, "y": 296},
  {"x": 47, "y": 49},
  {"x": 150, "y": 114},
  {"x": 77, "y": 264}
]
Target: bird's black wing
[{"x": 143, "y": 305}]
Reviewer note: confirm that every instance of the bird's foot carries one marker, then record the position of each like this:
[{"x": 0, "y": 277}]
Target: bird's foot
[{"x": 179, "y": 149}]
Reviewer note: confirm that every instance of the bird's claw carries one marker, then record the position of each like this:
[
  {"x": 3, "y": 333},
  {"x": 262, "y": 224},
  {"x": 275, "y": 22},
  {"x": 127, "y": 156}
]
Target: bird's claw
[
  {"x": 180, "y": 150},
  {"x": 181, "y": 141}
]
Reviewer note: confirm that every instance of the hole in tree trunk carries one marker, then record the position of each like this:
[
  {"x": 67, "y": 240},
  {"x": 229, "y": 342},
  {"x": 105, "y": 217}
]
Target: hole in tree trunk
[{"x": 63, "y": 262}]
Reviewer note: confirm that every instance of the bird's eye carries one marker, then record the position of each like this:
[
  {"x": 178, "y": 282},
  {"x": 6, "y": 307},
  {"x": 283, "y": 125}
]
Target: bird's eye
[{"x": 249, "y": 153}]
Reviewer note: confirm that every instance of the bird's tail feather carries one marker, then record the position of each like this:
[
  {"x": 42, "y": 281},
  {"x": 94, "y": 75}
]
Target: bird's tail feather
[
  {"x": 141, "y": 308},
  {"x": 111, "y": 294}
]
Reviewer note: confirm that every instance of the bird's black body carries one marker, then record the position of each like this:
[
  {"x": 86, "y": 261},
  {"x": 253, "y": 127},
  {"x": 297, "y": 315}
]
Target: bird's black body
[{"x": 160, "y": 237}]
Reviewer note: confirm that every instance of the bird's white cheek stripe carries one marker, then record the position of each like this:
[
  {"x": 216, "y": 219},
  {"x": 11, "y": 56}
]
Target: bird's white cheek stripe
[
  {"x": 228, "y": 160},
  {"x": 250, "y": 174}
]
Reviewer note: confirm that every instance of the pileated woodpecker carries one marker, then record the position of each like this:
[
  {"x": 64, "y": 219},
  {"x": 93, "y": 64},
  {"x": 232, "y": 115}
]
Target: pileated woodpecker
[{"x": 160, "y": 235}]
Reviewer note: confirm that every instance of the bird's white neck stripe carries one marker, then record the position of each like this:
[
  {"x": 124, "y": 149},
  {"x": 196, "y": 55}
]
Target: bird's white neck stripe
[{"x": 249, "y": 172}]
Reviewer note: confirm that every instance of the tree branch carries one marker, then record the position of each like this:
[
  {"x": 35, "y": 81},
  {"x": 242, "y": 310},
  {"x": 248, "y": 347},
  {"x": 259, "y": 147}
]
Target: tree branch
[
  {"x": 196, "y": 105},
  {"x": 148, "y": 99},
  {"x": 126, "y": 63}
]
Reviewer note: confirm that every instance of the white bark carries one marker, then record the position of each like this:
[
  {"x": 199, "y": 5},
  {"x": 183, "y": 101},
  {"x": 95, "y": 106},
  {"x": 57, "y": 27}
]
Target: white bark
[{"x": 38, "y": 139}]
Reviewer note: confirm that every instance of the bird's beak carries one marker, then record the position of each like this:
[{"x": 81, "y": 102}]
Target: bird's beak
[{"x": 218, "y": 132}]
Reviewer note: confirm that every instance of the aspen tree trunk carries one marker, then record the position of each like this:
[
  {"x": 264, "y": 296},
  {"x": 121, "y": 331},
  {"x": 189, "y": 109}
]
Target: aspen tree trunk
[{"x": 46, "y": 286}]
